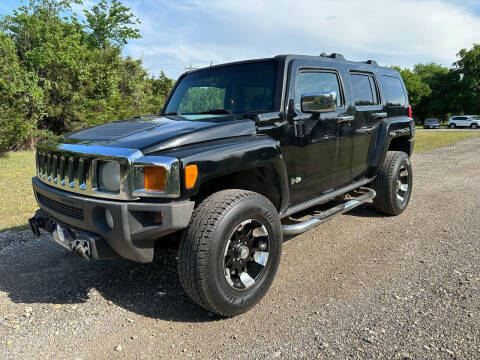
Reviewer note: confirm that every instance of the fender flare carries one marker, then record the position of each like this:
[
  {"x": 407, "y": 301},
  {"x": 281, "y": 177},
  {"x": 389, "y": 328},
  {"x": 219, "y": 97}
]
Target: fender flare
[
  {"x": 389, "y": 129},
  {"x": 220, "y": 158}
]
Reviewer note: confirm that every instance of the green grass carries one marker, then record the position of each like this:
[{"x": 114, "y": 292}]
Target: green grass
[
  {"x": 429, "y": 140},
  {"x": 17, "y": 203}
]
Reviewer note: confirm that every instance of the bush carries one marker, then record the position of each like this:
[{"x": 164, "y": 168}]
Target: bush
[{"x": 58, "y": 75}]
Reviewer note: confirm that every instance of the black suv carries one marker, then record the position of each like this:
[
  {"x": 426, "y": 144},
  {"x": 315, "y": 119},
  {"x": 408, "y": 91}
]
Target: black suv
[{"x": 237, "y": 151}]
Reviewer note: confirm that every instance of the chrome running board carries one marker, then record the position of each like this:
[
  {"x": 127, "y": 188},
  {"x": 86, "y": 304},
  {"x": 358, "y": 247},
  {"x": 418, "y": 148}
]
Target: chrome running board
[{"x": 320, "y": 218}]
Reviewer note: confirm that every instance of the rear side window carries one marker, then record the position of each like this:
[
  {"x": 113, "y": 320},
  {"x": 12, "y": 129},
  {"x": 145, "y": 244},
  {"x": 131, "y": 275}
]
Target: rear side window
[
  {"x": 394, "y": 91},
  {"x": 364, "y": 89}
]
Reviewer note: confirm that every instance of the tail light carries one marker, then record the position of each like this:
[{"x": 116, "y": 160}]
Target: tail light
[{"x": 410, "y": 113}]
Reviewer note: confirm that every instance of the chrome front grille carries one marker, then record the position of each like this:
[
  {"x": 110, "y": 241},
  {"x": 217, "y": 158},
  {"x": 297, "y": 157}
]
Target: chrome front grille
[
  {"x": 65, "y": 171},
  {"x": 72, "y": 168}
]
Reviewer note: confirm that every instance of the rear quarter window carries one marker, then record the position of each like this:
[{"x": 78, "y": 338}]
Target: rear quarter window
[{"x": 394, "y": 92}]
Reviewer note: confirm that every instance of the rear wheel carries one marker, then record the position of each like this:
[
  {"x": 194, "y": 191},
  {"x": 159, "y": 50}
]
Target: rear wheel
[
  {"x": 393, "y": 184},
  {"x": 452, "y": 126},
  {"x": 230, "y": 253}
]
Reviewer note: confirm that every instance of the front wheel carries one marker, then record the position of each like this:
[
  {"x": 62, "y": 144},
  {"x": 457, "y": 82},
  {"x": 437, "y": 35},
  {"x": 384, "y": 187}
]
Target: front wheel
[
  {"x": 393, "y": 184},
  {"x": 474, "y": 126},
  {"x": 230, "y": 252}
]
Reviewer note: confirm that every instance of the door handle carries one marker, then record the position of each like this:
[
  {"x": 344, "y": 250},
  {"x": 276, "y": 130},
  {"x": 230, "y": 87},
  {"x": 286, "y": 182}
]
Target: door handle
[
  {"x": 380, "y": 115},
  {"x": 345, "y": 118},
  {"x": 365, "y": 130}
]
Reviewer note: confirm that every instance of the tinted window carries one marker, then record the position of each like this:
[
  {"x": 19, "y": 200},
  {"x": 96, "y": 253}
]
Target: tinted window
[
  {"x": 308, "y": 82},
  {"x": 394, "y": 91},
  {"x": 237, "y": 88},
  {"x": 364, "y": 89},
  {"x": 202, "y": 98}
]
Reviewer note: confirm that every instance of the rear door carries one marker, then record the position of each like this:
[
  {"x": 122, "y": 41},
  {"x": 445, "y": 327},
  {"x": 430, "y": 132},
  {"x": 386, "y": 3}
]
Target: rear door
[
  {"x": 461, "y": 121},
  {"x": 368, "y": 112}
]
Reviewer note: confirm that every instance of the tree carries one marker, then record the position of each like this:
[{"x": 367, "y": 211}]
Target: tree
[
  {"x": 468, "y": 70},
  {"x": 20, "y": 98},
  {"x": 416, "y": 88},
  {"x": 58, "y": 74},
  {"x": 110, "y": 24}
]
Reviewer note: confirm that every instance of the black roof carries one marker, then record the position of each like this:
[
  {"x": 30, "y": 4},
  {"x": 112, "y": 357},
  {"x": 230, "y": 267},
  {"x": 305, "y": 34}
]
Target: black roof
[{"x": 333, "y": 57}]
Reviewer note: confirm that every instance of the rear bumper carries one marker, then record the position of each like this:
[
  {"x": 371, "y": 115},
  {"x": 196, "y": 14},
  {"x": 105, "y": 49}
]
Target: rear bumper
[{"x": 136, "y": 225}]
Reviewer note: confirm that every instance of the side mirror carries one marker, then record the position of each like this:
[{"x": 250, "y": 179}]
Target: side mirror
[{"x": 318, "y": 102}]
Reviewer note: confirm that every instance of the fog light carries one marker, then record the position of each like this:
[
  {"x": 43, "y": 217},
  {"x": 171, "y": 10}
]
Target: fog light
[{"x": 109, "y": 218}]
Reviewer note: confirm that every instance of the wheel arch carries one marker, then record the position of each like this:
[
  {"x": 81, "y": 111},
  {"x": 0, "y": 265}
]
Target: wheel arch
[{"x": 394, "y": 134}]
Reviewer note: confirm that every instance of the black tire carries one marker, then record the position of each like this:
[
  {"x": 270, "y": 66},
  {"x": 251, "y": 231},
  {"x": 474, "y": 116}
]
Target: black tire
[
  {"x": 452, "y": 126},
  {"x": 202, "y": 263},
  {"x": 474, "y": 126},
  {"x": 392, "y": 198}
]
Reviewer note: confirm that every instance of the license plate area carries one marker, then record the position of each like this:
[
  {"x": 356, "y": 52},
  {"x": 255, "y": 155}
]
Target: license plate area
[
  {"x": 79, "y": 246},
  {"x": 62, "y": 237}
]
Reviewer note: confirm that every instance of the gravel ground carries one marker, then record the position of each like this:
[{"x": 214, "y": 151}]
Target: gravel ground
[{"x": 359, "y": 286}]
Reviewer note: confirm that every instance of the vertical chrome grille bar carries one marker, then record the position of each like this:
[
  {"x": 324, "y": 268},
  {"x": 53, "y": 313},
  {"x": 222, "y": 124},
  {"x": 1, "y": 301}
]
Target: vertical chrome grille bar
[
  {"x": 49, "y": 167},
  {"x": 55, "y": 169},
  {"x": 41, "y": 160},
  {"x": 37, "y": 162},
  {"x": 62, "y": 170},
  {"x": 44, "y": 165},
  {"x": 71, "y": 172},
  {"x": 81, "y": 174}
]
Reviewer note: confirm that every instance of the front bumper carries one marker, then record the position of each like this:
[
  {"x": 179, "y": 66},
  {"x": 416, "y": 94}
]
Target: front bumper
[{"x": 137, "y": 225}]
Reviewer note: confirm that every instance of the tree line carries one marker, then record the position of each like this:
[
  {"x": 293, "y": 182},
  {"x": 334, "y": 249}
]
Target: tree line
[
  {"x": 60, "y": 72},
  {"x": 438, "y": 91}
]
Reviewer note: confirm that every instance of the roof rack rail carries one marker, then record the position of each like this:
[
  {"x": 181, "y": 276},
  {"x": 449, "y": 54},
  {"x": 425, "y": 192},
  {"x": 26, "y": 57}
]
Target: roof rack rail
[
  {"x": 371, "y": 62},
  {"x": 333, "y": 56}
]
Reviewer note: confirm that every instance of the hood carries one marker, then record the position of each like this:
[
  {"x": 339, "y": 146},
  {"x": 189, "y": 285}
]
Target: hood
[{"x": 152, "y": 133}]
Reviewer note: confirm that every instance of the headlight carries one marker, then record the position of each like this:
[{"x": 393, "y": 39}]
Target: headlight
[{"x": 108, "y": 176}]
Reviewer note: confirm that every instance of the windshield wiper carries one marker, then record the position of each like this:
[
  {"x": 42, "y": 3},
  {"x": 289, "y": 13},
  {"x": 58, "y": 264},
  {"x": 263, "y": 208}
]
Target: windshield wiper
[
  {"x": 171, "y": 113},
  {"x": 216, "y": 112}
]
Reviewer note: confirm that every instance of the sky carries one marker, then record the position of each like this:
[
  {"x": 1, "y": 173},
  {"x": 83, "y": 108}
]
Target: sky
[{"x": 180, "y": 33}]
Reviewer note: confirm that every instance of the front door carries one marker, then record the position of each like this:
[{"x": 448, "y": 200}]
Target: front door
[{"x": 318, "y": 156}]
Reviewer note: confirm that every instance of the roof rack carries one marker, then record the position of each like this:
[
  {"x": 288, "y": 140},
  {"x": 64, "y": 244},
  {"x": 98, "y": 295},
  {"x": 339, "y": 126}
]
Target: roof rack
[
  {"x": 371, "y": 62},
  {"x": 333, "y": 56}
]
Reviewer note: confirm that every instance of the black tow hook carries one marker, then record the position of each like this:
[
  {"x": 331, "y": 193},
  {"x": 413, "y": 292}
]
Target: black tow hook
[{"x": 82, "y": 249}]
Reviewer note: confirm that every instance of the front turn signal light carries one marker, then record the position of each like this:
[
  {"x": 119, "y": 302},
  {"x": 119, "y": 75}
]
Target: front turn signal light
[
  {"x": 191, "y": 173},
  {"x": 154, "y": 178}
]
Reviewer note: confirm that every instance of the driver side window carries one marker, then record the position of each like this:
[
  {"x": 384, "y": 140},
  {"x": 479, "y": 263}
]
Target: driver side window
[{"x": 315, "y": 82}]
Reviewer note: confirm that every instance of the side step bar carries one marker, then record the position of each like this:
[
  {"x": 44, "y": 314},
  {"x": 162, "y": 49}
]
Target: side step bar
[{"x": 315, "y": 220}]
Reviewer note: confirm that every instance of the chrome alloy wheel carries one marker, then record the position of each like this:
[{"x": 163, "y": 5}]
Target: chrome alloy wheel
[
  {"x": 402, "y": 183},
  {"x": 246, "y": 254}
]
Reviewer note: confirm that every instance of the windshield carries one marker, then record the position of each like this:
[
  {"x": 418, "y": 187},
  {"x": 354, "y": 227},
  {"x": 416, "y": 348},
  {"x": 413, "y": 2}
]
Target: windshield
[
  {"x": 434, "y": 121},
  {"x": 235, "y": 89}
]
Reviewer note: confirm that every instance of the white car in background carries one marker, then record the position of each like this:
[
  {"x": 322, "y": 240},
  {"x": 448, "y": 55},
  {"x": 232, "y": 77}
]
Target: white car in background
[{"x": 471, "y": 121}]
